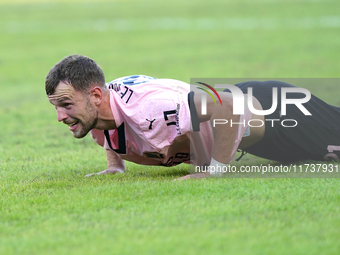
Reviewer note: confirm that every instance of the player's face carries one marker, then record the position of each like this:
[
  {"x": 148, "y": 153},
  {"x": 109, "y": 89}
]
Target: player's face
[{"x": 74, "y": 109}]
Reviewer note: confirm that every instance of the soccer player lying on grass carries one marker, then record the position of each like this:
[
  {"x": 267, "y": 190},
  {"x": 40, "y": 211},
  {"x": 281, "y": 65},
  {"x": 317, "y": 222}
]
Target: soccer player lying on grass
[{"x": 148, "y": 121}]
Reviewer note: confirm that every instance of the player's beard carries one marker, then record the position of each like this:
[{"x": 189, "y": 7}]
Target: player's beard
[{"x": 88, "y": 123}]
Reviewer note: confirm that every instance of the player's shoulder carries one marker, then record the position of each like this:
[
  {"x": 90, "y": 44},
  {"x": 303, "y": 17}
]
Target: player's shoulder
[
  {"x": 129, "y": 81},
  {"x": 140, "y": 80}
]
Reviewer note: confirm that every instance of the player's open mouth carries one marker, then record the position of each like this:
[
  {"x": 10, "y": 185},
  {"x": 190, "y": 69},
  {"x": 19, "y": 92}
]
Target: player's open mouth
[{"x": 73, "y": 126}]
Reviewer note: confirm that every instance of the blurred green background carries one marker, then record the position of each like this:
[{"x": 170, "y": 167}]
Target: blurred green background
[{"x": 48, "y": 207}]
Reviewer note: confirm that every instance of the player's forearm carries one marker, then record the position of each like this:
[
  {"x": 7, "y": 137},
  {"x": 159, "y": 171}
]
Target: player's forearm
[
  {"x": 114, "y": 161},
  {"x": 224, "y": 136}
]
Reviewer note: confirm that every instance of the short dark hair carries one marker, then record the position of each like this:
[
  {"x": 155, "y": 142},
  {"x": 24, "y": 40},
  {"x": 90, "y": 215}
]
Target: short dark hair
[{"x": 79, "y": 71}]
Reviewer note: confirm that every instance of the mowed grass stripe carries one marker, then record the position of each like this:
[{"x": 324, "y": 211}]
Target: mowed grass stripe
[{"x": 168, "y": 24}]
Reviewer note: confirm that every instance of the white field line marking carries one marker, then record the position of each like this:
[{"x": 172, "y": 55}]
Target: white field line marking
[{"x": 168, "y": 24}]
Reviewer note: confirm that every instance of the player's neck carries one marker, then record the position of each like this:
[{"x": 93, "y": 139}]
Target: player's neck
[{"x": 105, "y": 117}]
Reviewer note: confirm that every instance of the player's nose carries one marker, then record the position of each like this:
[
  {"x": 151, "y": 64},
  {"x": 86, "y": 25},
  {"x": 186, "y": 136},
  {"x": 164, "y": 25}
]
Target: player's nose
[{"x": 61, "y": 115}]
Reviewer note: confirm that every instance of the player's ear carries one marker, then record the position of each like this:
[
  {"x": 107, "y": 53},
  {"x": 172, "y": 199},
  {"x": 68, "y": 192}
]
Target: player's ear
[{"x": 96, "y": 95}]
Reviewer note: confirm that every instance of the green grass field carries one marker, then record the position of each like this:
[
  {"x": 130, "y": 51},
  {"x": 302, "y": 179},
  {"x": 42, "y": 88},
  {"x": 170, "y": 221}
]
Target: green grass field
[{"x": 46, "y": 204}]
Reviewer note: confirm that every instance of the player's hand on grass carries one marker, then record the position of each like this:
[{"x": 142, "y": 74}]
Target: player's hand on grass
[
  {"x": 114, "y": 164},
  {"x": 107, "y": 171}
]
